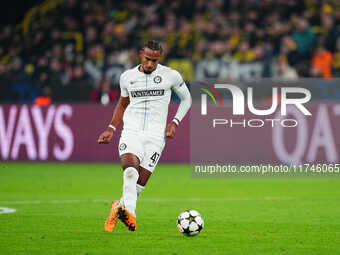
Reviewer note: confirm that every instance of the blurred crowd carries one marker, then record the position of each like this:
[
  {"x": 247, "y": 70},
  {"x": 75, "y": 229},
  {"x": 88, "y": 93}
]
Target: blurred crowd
[{"x": 87, "y": 44}]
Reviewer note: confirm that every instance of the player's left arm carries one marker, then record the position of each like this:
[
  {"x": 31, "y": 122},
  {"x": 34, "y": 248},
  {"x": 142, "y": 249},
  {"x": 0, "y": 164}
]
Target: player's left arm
[{"x": 183, "y": 93}]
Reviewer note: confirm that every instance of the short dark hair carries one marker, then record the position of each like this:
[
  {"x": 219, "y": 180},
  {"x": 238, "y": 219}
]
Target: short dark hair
[{"x": 153, "y": 45}]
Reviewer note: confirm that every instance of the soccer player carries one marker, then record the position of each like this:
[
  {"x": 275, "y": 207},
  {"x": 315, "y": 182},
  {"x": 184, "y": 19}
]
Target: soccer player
[{"x": 143, "y": 107}]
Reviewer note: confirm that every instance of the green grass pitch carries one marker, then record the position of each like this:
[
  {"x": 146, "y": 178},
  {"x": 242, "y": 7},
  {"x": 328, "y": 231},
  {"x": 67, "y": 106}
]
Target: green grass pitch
[{"x": 61, "y": 209}]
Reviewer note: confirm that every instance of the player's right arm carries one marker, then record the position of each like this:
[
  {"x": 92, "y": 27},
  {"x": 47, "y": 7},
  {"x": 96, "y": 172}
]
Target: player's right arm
[
  {"x": 117, "y": 118},
  {"x": 118, "y": 113}
]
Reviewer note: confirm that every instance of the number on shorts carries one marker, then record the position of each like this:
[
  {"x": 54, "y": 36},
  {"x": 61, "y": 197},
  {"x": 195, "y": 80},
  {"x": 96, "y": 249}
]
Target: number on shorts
[{"x": 155, "y": 157}]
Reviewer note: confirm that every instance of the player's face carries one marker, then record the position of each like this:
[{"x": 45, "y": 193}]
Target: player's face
[{"x": 149, "y": 59}]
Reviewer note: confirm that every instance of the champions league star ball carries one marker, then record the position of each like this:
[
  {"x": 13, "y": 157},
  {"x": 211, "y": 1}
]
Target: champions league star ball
[{"x": 190, "y": 223}]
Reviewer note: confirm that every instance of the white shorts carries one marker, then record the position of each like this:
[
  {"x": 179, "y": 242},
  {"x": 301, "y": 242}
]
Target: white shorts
[{"x": 148, "y": 149}]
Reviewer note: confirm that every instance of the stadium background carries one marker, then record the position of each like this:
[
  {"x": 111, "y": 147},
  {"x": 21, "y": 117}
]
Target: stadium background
[
  {"x": 59, "y": 65},
  {"x": 68, "y": 56},
  {"x": 74, "y": 51}
]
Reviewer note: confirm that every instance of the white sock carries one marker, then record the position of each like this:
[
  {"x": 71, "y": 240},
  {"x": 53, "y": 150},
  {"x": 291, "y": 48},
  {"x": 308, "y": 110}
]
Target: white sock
[
  {"x": 129, "y": 189},
  {"x": 139, "y": 188}
]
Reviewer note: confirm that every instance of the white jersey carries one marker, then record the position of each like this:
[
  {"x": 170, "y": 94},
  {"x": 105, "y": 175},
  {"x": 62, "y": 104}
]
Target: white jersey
[{"x": 149, "y": 98}]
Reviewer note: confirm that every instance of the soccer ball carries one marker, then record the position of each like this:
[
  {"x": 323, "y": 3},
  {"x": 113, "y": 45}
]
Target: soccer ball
[{"x": 190, "y": 223}]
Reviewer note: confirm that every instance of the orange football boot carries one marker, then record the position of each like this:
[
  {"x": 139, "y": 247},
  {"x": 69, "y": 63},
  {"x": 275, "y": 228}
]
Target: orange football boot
[
  {"x": 126, "y": 217},
  {"x": 111, "y": 221}
]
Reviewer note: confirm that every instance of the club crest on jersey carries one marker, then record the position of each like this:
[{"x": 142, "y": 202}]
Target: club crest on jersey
[
  {"x": 122, "y": 146},
  {"x": 157, "y": 79}
]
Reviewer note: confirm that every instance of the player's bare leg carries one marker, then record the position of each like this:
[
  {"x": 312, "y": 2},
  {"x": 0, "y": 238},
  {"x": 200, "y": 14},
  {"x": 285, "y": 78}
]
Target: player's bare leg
[
  {"x": 144, "y": 176},
  {"x": 126, "y": 210}
]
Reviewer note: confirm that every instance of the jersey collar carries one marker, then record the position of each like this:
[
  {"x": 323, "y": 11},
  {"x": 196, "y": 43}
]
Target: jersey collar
[{"x": 149, "y": 73}]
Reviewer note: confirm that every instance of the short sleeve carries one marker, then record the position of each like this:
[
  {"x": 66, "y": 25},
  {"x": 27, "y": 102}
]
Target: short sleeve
[
  {"x": 177, "y": 80},
  {"x": 123, "y": 86}
]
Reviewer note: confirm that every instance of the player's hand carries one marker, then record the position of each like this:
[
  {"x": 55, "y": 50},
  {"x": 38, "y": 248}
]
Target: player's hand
[
  {"x": 106, "y": 136},
  {"x": 170, "y": 130}
]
